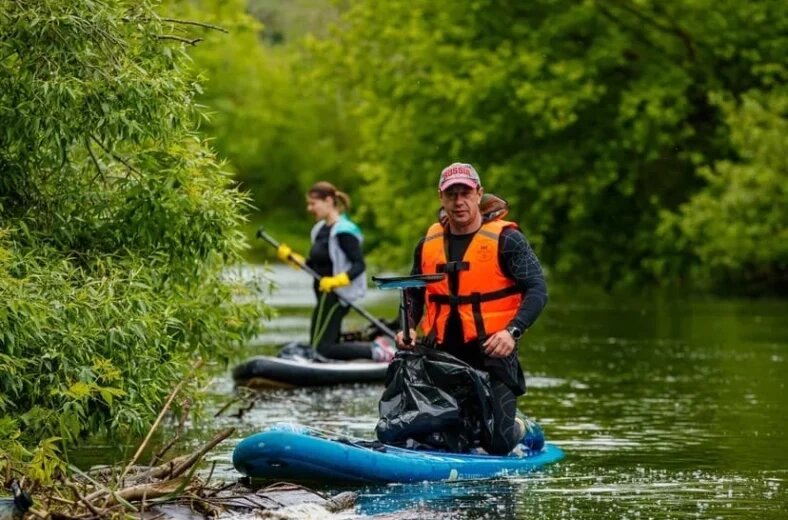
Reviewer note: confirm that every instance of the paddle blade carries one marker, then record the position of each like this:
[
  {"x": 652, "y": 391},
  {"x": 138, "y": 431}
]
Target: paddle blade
[{"x": 407, "y": 282}]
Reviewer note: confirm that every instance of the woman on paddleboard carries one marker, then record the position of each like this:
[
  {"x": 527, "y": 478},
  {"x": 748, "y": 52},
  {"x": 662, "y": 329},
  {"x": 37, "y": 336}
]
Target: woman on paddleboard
[{"x": 337, "y": 256}]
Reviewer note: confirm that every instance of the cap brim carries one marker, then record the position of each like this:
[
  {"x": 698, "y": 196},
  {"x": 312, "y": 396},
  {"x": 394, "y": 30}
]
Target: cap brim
[{"x": 451, "y": 182}]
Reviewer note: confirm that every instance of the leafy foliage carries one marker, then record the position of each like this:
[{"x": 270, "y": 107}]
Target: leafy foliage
[
  {"x": 592, "y": 118},
  {"x": 736, "y": 225},
  {"x": 116, "y": 226},
  {"x": 598, "y": 121},
  {"x": 279, "y": 130}
]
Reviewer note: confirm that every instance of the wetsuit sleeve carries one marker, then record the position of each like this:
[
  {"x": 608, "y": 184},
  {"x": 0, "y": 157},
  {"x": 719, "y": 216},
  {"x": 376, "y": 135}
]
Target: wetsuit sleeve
[
  {"x": 519, "y": 262},
  {"x": 416, "y": 294},
  {"x": 351, "y": 246}
]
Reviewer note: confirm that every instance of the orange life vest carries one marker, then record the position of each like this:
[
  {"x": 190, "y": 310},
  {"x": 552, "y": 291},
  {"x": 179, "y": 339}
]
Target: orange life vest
[{"x": 486, "y": 299}]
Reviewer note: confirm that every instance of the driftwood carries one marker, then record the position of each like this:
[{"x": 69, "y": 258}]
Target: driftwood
[
  {"x": 282, "y": 496},
  {"x": 170, "y": 490},
  {"x": 173, "y": 491},
  {"x": 197, "y": 364},
  {"x": 150, "y": 491}
]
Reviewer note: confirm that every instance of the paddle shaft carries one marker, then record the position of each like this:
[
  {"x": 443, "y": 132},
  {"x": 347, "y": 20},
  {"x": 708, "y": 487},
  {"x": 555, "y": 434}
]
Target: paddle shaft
[
  {"x": 405, "y": 310},
  {"x": 379, "y": 324}
]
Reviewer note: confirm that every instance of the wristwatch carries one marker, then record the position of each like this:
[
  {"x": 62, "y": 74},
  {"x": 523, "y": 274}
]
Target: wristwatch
[{"x": 516, "y": 332}]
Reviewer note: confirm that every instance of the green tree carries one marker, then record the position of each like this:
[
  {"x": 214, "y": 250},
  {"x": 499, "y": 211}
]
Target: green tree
[
  {"x": 736, "y": 228},
  {"x": 279, "y": 130},
  {"x": 117, "y": 225},
  {"x": 594, "y": 118}
]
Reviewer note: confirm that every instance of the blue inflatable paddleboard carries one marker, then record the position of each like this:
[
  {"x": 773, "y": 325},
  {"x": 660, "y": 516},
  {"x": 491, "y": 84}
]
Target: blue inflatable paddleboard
[{"x": 295, "y": 453}]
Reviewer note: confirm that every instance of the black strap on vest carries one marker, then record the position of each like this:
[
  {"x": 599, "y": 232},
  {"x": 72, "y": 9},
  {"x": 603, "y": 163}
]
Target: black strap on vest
[
  {"x": 470, "y": 299},
  {"x": 453, "y": 267},
  {"x": 476, "y": 307},
  {"x": 475, "y": 300},
  {"x": 432, "y": 337}
]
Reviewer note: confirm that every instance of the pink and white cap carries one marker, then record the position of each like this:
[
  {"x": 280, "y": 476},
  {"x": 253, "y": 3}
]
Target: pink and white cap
[{"x": 459, "y": 173}]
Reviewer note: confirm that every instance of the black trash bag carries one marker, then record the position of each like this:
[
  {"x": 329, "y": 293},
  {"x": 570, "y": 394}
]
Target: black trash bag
[{"x": 435, "y": 401}]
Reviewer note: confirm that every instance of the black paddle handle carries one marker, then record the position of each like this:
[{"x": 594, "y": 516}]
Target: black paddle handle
[
  {"x": 271, "y": 240},
  {"x": 406, "y": 317},
  {"x": 379, "y": 324}
]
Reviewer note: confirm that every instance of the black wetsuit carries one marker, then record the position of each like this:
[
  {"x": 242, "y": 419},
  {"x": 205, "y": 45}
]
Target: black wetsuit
[
  {"x": 519, "y": 263},
  {"x": 328, "y": 316}
]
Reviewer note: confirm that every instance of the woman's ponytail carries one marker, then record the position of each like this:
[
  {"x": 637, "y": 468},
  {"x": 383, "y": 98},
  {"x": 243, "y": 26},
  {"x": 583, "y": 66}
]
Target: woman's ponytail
[{"x": 343, "y": 199}]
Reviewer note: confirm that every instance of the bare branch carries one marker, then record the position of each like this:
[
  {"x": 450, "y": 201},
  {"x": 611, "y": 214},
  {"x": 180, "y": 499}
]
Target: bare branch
[
  {"x": 167, "y": 404},
  {"x": 196, "y": 457},
  {"x": 195, "y": 41},
  {"x": 81, "y": 498},
  {"x": 153, "y": 490},
  {"x": 198, "y": 24},
  {"x": 160, "y": 454}
]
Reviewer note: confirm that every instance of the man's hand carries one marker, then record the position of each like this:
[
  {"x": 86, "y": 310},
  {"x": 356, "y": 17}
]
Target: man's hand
[
  {"x": 329, "y": 283},
  {"x": 285, "y": 254},
  {"x": 400, "y": 339},
  {"x": 500, "y": 344}
]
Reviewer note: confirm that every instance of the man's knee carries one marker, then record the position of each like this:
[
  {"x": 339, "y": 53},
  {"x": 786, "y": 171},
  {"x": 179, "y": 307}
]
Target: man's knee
[{"x": 505, "y": 430}]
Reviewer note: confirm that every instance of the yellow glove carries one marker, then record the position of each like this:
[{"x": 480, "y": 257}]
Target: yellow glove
[
  {"x": 285, "y": 254},
  {"x": 329, "y": 283}
]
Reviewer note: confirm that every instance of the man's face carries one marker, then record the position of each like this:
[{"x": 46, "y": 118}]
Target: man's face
[{"x": 461, "y": 203}]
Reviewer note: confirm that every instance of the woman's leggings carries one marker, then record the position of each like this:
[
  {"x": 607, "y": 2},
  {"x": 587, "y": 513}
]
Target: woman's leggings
[
  {"x": 507, "y": 434},
  {"x": 326, "y": 328}
]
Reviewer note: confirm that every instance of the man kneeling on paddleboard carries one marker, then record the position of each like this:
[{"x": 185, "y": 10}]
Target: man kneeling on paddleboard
[{"x": 493, "y": 292}]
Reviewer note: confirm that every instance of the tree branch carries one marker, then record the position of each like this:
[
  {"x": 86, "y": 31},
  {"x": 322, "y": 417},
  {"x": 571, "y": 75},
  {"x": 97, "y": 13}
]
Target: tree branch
[
  {"x": 116, "y": 157},
  {"x": 198, "y": 24},
  {"x": 195, "y": 41},
  {"x": 167, "y": 404},
  {"x": 81, "y": 498},
  {"x": 199, "y": 454},
  {"x": 96, "y": 163},
  {"x": 674, "y": 29},
  {"x": 636, "y": 34}
]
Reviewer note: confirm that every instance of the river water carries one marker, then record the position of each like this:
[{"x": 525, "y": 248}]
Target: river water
[{"x": 666, "y": 407}]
